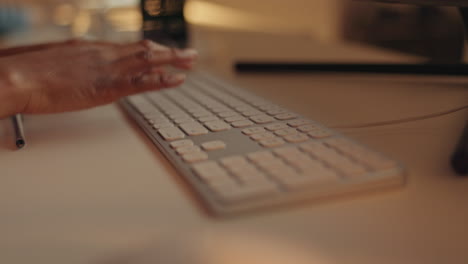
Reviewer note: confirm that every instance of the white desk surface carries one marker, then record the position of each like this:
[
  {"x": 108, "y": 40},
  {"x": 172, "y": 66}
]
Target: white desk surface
[{"x": 91, "y": 188}]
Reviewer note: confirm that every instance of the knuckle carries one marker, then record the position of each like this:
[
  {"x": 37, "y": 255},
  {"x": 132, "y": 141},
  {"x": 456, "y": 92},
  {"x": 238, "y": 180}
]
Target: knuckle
[
  {"x": 136, "y": 80},
  {"x": 174, "y": 52},
  {"x": 146, "y": 43},
  {"x": 145, "y": 55}
]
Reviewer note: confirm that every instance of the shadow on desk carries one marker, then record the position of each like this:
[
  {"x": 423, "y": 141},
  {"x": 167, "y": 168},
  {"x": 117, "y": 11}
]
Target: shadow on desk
[{"x": 6, "y": 135}]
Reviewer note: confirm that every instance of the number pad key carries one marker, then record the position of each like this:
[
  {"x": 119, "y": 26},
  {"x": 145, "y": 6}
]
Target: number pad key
[
  {"x": 213, "y": 145},
  {"x": 253, "y": 130},
  {"x": 242, "y": 123},
  {"x": 285, "y": 116},
  {"x": 262, "y": 119},
  {"x": 276, "y": 126},
  {"x": 299, "y": 122},
  {"x": 271, "y": 142},
  {"x": 216, "y": 126}
]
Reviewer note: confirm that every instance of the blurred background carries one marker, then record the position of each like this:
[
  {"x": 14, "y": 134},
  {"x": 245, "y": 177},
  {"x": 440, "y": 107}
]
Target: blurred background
[{"x": 432, "y": 34}]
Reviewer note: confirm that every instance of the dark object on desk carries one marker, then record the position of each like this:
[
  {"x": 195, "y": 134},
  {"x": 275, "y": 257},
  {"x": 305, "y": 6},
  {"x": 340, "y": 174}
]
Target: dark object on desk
[
  {"x": 164, "y": 22},
  {"x": 460, "y": 156},
  {"x": 419, "y": 69},
  {"x": 17, "y": 121},
  {"x": 433, "y": 32}
]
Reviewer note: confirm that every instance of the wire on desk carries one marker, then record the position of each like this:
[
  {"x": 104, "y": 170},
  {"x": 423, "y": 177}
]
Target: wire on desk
[{"x": 403, "y": 120}]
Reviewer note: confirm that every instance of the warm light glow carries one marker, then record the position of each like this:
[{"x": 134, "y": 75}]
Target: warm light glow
[
  {"x": 64, "y": 14},
  {"x": 82, "y": 23},
  {"x": 216, "y": 15},
  {"x": 124, "y": 18}
]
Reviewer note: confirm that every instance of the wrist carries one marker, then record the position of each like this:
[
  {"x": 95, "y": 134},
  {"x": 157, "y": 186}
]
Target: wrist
[{"x": 11, "y": 97}]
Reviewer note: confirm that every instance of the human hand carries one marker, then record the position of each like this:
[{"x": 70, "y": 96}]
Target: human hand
[
  {"x": 76, "y": 75},
  {"x": 4, "y": 52}
]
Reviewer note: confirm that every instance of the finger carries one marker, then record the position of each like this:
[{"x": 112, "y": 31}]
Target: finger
[
  {"x": 29, "y": 48},
  {"x": 149, "y": 58},
  {"x": 156, "y": 81},
  {"x": 188, "y": 65},
  {"x": 140, "y": 46},
  {"x": 147, "y": 82},
  {"x": 82, "y": 42}
]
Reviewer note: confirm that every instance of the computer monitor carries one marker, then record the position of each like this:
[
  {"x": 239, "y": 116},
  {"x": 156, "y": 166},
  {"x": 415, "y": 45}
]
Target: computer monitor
[
  {"x": 428, "y": 2},
  {"x": 431, "y": 32}
]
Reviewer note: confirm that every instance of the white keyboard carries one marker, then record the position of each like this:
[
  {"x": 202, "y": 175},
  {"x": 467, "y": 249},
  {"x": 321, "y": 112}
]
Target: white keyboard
[{"x": 241, "y": 152}]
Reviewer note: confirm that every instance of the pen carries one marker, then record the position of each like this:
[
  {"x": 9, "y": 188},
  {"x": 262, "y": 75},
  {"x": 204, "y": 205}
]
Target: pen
[
  {"x": 17, "y": 121},
  {"x": 460, "y": 156}
]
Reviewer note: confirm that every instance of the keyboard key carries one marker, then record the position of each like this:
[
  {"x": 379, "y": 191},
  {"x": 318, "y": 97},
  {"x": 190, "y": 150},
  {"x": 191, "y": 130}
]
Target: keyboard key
[
  {"x": 179, "y": 117},
  {"x": 205, "y": 119},
  {"x": 254, "y": 178},
  {"x": 227, "y": 114},
  {"x": 158, "y": 120},
  {"x": 234, "y": 118},
  {"x": 246, "y": 169},
  {"x": 137, "y": 100},
  {"x": 318, "y": 178},
  {"x": 276, "y": 111},
  {"x": 244, "y": 108},
  {"x": 319, "y": 133},
  {"x": 312, "y": 147},
  {"x": 260, "y": 136},
  {"x": 271, "y": 142},
  {"x": 266, "y": 106},
  {"x": 276, "y": 126},
  {"x": 201, "y": 114},
  {"x": 250, "y": 113},
  {"x": 304, "y": 163},
  {"x": 217, "y": 125},
  {"x": 195, "y": 157},
  {"x": 210, "y": 171},
  {"x": 253, "y": 130},
  {"x": 242, "y": 123},
  {"x": 282, "y": 172},
  {"x": 287, "y": 151},
  {"x": 286, "y": 132},
  {"x": 193, "y": 129},
  {"x": 367, "y": 157},
  {"x": 171, "y": 133},
  {"x": 307, "y": 128},
  {"x": 183, "y": 120},
  {"x": 296, "y": 138},
  {"x": 187, "y": 150},
  {"x": 262, "y": 119},
  {"x": 213, "y": 145},
  {"x": 181, "y": 143},
  {"x": 348, "y": 168},
  {"x": 155, "y": 116},
  {"x": 261, "y": 156},
  {"x": 234, "y": 161},
  {"x": 299, "y": 122},
  {"x": 158, "y": 126},
  {"x": 285, "y": 116},
  {"x": 218, "y": 110}
]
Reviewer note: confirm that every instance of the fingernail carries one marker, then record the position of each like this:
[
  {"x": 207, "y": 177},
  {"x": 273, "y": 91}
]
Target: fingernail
[
  {"x": 187, "y": 53},
  {"x": 172, "y": 79}
]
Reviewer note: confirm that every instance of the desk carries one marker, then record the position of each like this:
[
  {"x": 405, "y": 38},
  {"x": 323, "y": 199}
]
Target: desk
[{"x": 91, "y": 188}]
